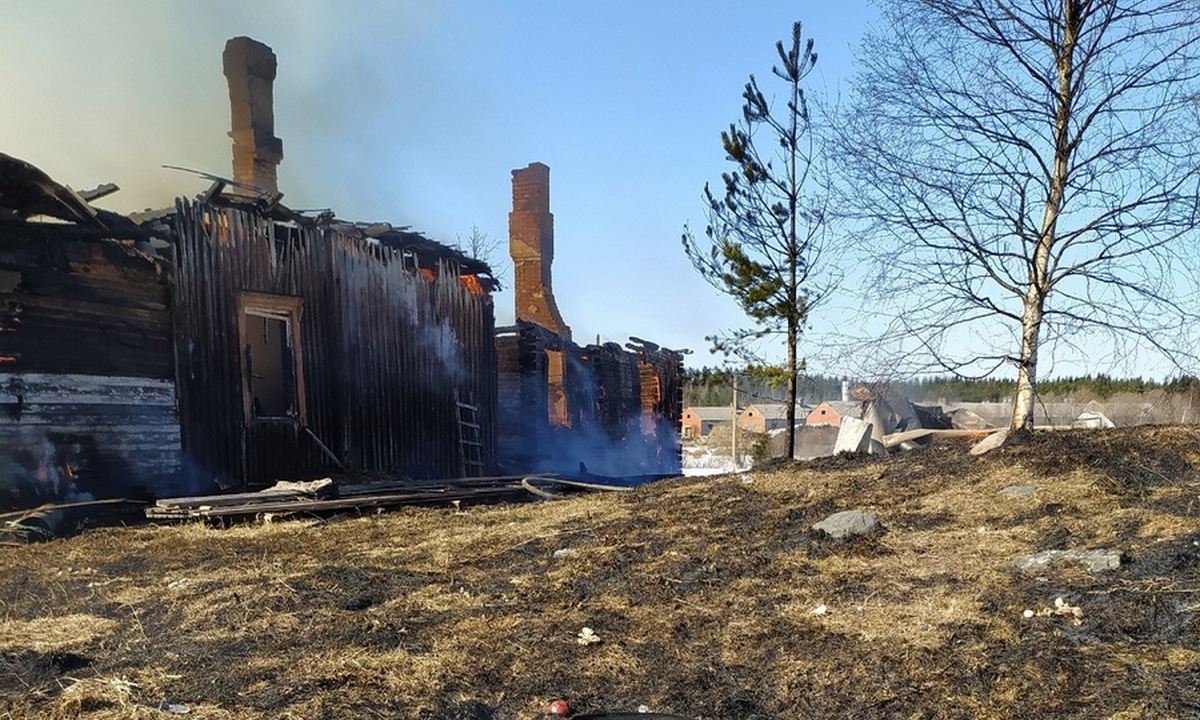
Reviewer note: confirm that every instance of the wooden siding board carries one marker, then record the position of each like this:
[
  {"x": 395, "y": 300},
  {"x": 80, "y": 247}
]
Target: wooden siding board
[
  {"x": 75, "y": 282},
  {"x": 82, "y": 305},
  {"x": 119, "y": 435},
  {"x": 84, "y": 389}
]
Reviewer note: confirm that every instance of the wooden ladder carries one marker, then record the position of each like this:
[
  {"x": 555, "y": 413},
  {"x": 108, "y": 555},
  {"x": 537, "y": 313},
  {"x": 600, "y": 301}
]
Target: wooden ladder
[{"x": 470, "y": 443}]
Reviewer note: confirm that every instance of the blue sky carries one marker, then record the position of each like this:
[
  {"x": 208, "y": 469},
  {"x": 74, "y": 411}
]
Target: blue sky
[{"x": 416, "y": 112}]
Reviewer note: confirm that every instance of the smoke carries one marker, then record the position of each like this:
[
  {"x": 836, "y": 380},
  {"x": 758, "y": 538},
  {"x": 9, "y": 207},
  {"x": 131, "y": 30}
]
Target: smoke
[
  {"x": 440, "y": 341},
  {"x": 110, "y": 92},
  {"x": 594, "y": 442},
  {"x": 34, "y": 469},
  {"x": 589, "y": 450},
  {"x": 93, "y": 106}
]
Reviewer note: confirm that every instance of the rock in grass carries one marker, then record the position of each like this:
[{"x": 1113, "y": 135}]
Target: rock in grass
[
  {"x": 1095, "y": 561},
  {"x": 848, "y": 524}
]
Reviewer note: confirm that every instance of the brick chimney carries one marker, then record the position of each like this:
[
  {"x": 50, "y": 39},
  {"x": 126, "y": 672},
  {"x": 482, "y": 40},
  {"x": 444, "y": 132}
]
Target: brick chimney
[
  {"x": 250, "y": 70},
  {"x": 531, "y": 243}
]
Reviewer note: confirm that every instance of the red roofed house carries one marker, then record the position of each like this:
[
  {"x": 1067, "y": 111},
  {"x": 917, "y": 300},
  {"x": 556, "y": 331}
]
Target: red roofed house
[
  {"x": 765, "y": 417},
  {"x": 831, "y": 413},
  {"x": 699, "y": 421}
]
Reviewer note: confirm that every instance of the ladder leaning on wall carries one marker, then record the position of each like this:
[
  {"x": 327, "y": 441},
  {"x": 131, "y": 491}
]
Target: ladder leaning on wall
[{"x": 470, "y": 442}]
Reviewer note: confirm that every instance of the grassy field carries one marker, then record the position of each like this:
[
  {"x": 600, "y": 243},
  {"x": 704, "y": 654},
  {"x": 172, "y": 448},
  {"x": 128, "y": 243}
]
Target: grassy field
[{"x": 701, "y": 593}]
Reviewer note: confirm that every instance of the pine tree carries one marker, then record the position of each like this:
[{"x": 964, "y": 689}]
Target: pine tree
[{"x": 764, "y": 231}]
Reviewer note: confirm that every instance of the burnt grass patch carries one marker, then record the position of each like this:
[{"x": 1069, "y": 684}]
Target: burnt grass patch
[
  {"x": 1129, "y": 462},
  {"x": 708, "y": 598}
]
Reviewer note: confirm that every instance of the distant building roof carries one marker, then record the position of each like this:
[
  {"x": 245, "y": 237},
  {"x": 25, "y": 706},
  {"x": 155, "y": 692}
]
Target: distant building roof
[
  {"x": 996, "y": 414},
  {"x": 843, "y": 408},
  {"x": 776, "y": 411},
  {"x": 710, "y": 412}
]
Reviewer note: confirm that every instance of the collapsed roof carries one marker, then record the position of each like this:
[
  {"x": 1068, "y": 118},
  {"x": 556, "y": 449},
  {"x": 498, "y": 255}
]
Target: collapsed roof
[{"x": 28, "y": 193}]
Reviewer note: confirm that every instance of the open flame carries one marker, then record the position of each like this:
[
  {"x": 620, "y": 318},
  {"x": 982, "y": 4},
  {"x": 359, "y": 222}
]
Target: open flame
[{"x": 39, "y": 468}]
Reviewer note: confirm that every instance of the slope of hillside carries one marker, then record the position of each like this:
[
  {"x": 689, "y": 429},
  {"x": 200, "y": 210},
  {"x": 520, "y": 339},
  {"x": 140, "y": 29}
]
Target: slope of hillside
[{"x": 709, "y": 597}]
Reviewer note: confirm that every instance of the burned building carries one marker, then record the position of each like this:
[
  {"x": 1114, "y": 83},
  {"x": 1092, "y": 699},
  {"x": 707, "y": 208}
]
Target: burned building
[
  {"x": 87, "y": 374},
  {"x": 315, "y": 341},
  {"x": 322, "y": 343},
  {"x": 307, "y": 342},
  {"x": 596, "y": 409},
  {"x": 230, "y": 341}
]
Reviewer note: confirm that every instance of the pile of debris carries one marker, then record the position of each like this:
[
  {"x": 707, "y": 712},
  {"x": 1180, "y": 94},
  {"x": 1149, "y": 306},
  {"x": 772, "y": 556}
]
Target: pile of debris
[
  {"x": 320, "y": 498},
  {"x": 325, "y": 497},
  {"x": 46, "y": 522},
  {"x": 889, "y": 421}
]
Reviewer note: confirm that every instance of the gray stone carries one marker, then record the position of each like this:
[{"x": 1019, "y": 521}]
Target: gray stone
[
  {"x": 848, "y": 523},
  {"x": 1018, "y": 490},
  {"x": 854, "y": 436},
  {"x": 1095, "y": 561}
]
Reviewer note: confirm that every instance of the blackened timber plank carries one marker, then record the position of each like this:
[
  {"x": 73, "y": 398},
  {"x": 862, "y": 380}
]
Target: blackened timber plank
[
  {"x": 318, "y": 506},
  {"x": 227, "y": 499}
]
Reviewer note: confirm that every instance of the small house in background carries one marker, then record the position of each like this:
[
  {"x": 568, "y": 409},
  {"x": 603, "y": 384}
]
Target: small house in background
[
  {"x": 831, "y": 412},
  {"x": 1093, "y": 416},
  {"x": 565, "y": 408},
  {"x": 699, "y": 420},
  {"x": 765, "y": 417}
]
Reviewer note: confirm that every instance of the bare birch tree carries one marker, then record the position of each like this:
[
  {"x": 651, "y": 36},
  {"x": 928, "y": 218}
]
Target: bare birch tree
[
  {"x": 765, "y": 229},
  {"x": 488, "y": 249},
  {"x": 1031, "y": 170}
]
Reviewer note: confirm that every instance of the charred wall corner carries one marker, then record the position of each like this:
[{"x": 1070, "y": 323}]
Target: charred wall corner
[
  {"x": 87, "y": 398},
  {"x": 531, "y": 243},
  {"x": 250, "y": 71}
]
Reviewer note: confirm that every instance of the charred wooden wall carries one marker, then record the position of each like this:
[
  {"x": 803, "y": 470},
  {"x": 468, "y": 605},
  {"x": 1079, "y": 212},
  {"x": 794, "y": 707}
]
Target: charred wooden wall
[
  {"x": 623, "y": 406},
  {"x": 386, "y": 348},
  {"x": 517, "y": 392},
  {"x": 86, "y": 368}
]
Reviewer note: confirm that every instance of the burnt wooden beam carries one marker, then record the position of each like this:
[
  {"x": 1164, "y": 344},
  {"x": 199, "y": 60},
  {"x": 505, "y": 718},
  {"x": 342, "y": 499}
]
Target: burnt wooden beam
[{"x": 98, "y": 192}]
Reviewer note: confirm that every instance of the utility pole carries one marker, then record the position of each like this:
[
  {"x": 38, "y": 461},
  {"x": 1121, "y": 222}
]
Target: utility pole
[{"x": 733, "y": 434}]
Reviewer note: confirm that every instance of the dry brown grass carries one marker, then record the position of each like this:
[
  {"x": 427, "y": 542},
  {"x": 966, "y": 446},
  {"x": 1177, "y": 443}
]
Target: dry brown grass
[{"x": 702, "y": 593}]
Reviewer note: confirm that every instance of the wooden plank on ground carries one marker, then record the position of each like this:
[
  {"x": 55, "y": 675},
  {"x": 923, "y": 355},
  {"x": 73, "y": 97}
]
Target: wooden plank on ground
[
  {"x": 294, "y": 506},
  {"x": 226, "y": 499},
  {"x": 895, "y": 439}
]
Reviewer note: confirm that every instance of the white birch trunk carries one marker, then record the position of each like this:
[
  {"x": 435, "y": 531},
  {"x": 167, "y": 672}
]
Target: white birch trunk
[
  {"x": 1040, "y": 280},
  {"x": 1026, "y": 397}
]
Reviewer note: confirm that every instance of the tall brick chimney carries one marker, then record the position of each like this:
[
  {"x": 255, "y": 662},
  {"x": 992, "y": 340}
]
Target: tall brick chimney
[
  {"x": 531, "y": 243},
  {"x": 250, "y": 70}
]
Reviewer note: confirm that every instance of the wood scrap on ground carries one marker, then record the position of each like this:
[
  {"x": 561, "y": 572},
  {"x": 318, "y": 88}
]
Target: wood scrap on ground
[{"x": 324, "y": 496}]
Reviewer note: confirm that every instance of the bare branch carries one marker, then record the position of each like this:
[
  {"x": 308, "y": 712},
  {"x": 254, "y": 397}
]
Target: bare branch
[{"x": 1035, "y": 166}]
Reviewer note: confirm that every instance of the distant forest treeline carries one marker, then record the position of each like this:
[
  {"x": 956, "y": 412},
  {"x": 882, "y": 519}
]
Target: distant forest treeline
[{"x": 714, "y": 386}]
